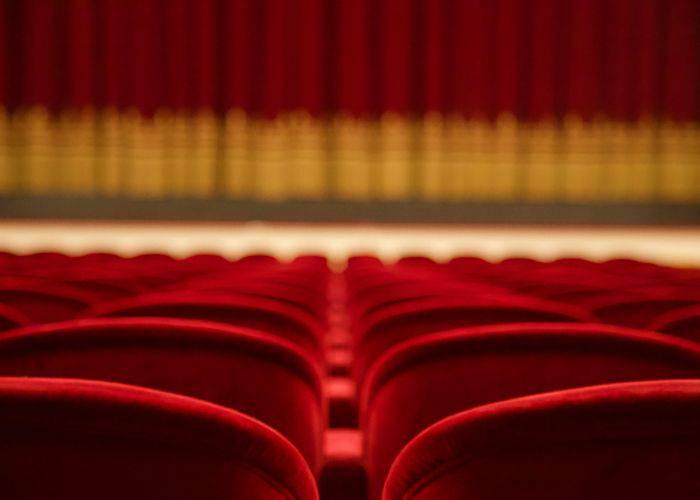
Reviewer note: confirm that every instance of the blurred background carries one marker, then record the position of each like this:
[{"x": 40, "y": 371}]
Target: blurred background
[
  {"x": 433, "y": 111},
  {"x": 541, "y": 113}
]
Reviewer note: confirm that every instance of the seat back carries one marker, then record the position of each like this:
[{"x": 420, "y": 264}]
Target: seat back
[
  {"x": 395, "y": 324},
  {"x": 81, "y": 440},
  {"x": 640, "y": 312},
  {"x": 636, "y": 440},
  {"x": 683, "y": 322},
  {"x": 11, "y": 318},
  {"x": 45, "y": 302},
  {"x": 250, "y": 312},
  {"x": 260, "y": 375},
  {"x": 422, "y": 381}
]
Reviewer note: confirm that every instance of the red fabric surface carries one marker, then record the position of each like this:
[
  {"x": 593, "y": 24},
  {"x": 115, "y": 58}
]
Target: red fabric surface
[
  {"x": 250, "y": 312},
  {"x": 681, "y": 100},
  {"x": 541, "y": 84},
  {"x": 11, "y": 318},
  {"x": 83, "y": 440},
  {"x": 536, "y": 58},
  {"x": 619, "y": 59},
  {"x": 641, "y": 312},
  {"x": 422, "y": 381},
  {"x": 78, "y": 49},
  {"x": 405, "y": 321},
  {"x": 472, "y": 90},
  {"x": 4, "y": 55},
  {"x": 353, "y": 70},
  {"x": 202, "y": 56},
  {"x": 45, "y": 302},
  {"x": 683, "y": 322},
  {"x": 648, "y": 40},
  {"x": 635, "y": 440},
  {"x": 303, "y": 299},
  {"x": 257, "y": 374}
]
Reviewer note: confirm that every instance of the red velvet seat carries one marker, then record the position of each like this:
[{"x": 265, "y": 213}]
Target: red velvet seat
[
  {"x": 102, "y": 289},
  {"x": 561, "y": 290},
  {"x": 394, "y": 324},
  {"x": 298, "y": 298},
  {"x": 314, "y": 282},
  {"x": 584, "y": 297},
  {"x": 363, "y": 261},
  {"x": 416, "y": 261},
  {"x": 45, "y": 302},
  {"x": 239, "y": 310},
  {"x": 637, "y": 441},
  {"x": 424, "y": 380},
  {"x": 381, "y": 297},
  {"x": 204, "y": 262},
  {"x": 257, "y": 260},
  {"x": 683, "y": 322},
  {"x": 640, "y": 312},
  {"x": 11, "y": 318},
  {"x": 83, "y": 440},
  {"x": 261, "y": 375}
]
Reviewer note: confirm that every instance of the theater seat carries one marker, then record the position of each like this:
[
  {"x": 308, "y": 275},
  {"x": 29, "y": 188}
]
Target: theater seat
[
  {"x": 260, "y": 375},
  {"x": 45, "y": 302},
  {"x": 298, "y": 298},
  {"x": 11, "y": 318},
  {"x": 251, "y": 312},
  {"x": 683, "y": 322},
  {"x": 641, "y": 312},
  {"x": 636, "y": 440},
  {"x": 381, "y": 297},
  {"x": 427, "y": 379},
  {"x": 401, "y": 322},
  {"x": 82, "y": 440}
]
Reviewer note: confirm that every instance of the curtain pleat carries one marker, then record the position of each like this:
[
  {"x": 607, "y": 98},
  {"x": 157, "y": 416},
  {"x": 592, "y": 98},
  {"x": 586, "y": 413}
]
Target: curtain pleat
[{"x": 463, "y": 100}]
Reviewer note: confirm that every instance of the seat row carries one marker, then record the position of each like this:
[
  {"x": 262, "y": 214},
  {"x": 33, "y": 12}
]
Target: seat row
[
  {"x": 441, "y": 350},
  {"x": 154, "y": 377},
  {"x": 256, "y": 378}
]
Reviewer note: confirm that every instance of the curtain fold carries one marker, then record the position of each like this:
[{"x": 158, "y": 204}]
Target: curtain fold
[{"x": 461, "y": 100}]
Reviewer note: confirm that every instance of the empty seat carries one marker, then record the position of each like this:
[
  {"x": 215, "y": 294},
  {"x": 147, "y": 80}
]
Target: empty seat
[
  {"x": 401, "y": 322},
  {"x": 102, "y": 289},
  {"x": 81, "y": 440},
  {"x": 251, "y": 312},
  {"x": 637, "y": 440},
  {"x": 298, "y": 298},
  {"x": 683, "y": 322},
  {"x": 381, "y": 297},
  {"x": 640, "y": 312},
  {"x": 424, "y": 380},
  {"x": 10, "y": 318},
  {"x": 42, "y": 303},
  {"x": 261, "y": 375}
]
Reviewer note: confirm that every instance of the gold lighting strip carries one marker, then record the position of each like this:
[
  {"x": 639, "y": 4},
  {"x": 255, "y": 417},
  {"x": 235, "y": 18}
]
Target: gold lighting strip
[{"x": 198, "y": 154}]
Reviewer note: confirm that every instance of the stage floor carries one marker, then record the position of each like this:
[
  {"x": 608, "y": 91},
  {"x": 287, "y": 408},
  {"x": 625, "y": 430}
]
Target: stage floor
[{"x": 674, "y": 246}]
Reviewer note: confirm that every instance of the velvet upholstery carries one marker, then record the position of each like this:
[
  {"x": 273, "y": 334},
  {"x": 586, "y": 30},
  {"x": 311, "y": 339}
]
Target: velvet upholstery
[
  {"x": 303, "y": 299},
  {"x": 82, "y": 440},
  {"x": 401, "y": 322},
  {"x": 45, "y": 302},
  {"x": 11, "y": 318},
  {"x": 683, "y": 322},
  {"x": 239, "y": 310},
  {"x": 381, "y": 297},
  {"x": 258, "y": 374},
  {"x": 101, "y": 289},
  {"x": 641, "y": 312},
  {"x": 636, "y": 440},
  {"x": 424, "y": 380}
]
